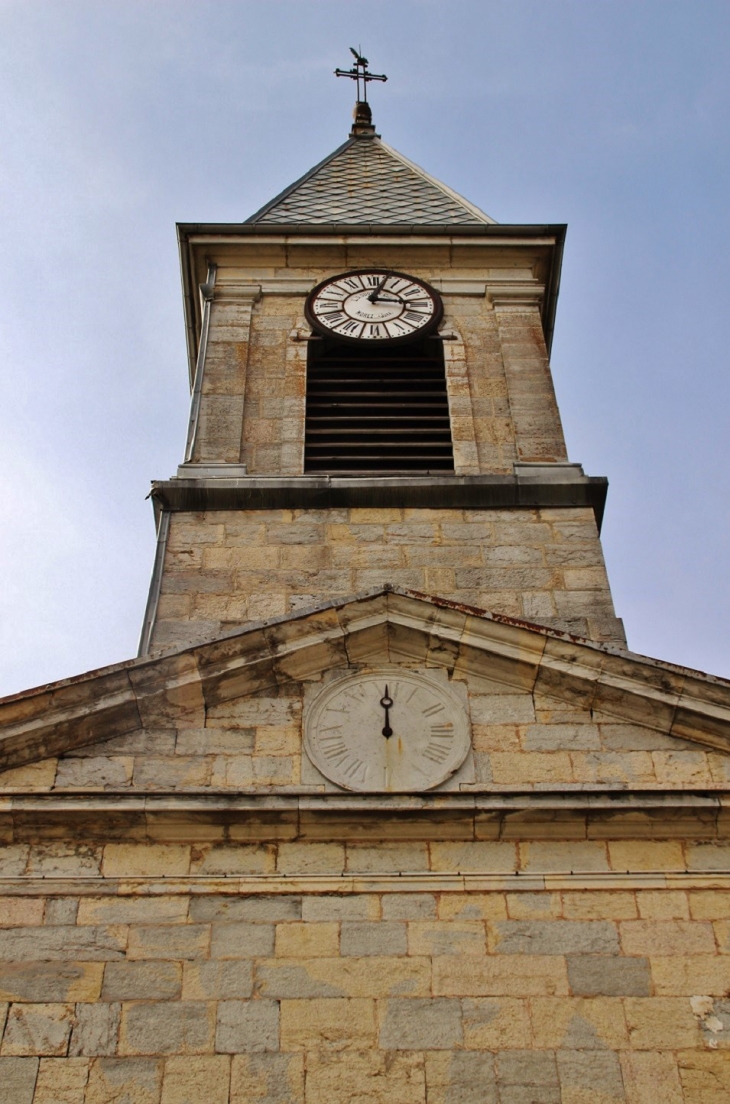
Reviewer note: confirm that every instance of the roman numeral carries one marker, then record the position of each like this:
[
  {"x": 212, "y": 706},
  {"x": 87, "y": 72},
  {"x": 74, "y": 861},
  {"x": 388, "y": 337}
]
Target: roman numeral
[
  {"x": 412, "y": 316},
  {"x": 432, "y": 710},
  {"x": 375, "y": 330},
  {"x": 333, "y": 317},
  {"x": 437, "y": 753},
  {"x": 442, "y": 731}
]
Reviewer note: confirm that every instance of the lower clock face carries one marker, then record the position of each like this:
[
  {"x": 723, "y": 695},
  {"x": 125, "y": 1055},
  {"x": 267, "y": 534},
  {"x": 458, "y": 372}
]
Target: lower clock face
[
  {"x": 389, "y": 730},
  {"x": 373, "y": 306}
]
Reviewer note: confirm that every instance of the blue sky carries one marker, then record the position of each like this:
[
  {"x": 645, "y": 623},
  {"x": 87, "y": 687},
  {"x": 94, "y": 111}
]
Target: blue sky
[{"x": 120, "y": 118}]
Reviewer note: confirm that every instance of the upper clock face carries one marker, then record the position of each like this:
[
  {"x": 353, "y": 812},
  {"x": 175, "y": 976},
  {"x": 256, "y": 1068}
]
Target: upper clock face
[
  {"x": 387, "y": 730},
  {"x": 374, "y": 305}
]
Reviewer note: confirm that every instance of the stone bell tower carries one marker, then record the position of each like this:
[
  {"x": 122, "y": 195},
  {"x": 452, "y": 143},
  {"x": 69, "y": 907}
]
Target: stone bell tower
[
  {"x": 319, "y": 464},
  {"x": 363, "y": 821}
]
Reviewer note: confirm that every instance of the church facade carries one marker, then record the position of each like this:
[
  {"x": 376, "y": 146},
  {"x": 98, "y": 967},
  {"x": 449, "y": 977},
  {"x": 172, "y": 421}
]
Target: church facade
[{"x": 385, "y": 810}]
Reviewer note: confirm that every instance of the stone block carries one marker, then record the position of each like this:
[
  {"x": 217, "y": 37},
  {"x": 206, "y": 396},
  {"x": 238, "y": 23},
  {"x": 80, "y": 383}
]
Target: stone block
[
  {"x": 482, "y": 856},
  {"x": 472, "y": 906},
  {"x": 667, "y": 937},
  {"x": 650, "y": 1077},
  {"x": 552, "y": 856},
  {"x": 460, "y": 1076},
  {"x": 60, "y": 860},
  {"x": 661, "y": 1023},
  {"x": 608, "y": 976},
  {"x": 637, "y": 855},
  {"x": 534, "y": 906},
  {"x": 586, "y": 904},
  {"x": 344, "y": 977},
  {"x": 167, "y": 1027},
  {"x": 242, "y": 940},
  {"x": 132, "y": 910},
  {"x": 96, "y": 1030},
  {"x": 369, "y": 1076},
  {"x": 578, "y": 1024},
  {"x": 409, "y": 906},
  {"x": 37, "y": 1029},
  {"x": 495, "y": 1023},
  {"x": 527, "y": 1068},
  {"x": 247, "y": 1026},
  {"x": 62, "y": 944},
  {"x": 705, "y": 1077},
  {"x": 125, "y": 981},
  {"x": 502, "y": 709},
  {"x": 307, "y": 940},
  {"x": 98, "y": 772},
  {"x": 311, "y": 858},
  {"x": 590, "y": 1077},
  {"x": 677, "y": 975},
  {"x": 61, "y": 1081},
  {"x": 662, "y": 904},
  {"x": 128, "y": 860},
  {"x": 518, "y": 975},
  {"x": 169, "y": 941},
  {"x": 415, "y": 1024},
  {"x": 18, "y": 1079},
  {"x": 39, "y": 982},
  {"x": 360, "y": 906},
  {"x": 331, "y": 1023},
  {"x": 553, "y": 937},
  {"x": 194, "y": 1079},
  {"x": 253, "y": 858},
  {"x": 224, "y": 980},
  {"x": 20, "y": 912},
  {"x": 59, "y": 910},
  {"x": 383, "y": 938},
  {"x": 124, "y": 1080},
  {"x": 443, "y": 937},
  {"x": 387, "y": 858},
  {"x": 267, "y": 1078},
  {"x": 257, "y": 910}
]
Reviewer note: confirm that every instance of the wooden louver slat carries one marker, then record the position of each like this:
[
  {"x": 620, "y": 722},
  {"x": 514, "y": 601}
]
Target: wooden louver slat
[{"x": 377, "y": 410}]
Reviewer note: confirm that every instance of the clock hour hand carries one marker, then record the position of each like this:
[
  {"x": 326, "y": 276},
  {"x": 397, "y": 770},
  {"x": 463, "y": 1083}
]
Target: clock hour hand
[{"x": 387, "y": 703}]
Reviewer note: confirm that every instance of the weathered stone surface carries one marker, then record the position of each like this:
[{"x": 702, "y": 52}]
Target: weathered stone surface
[
  {"x": 160, "y": 1027},
  {"x": 96, "y": 1029},
  {"x": 267, "y": 1078},
  {"x": 261, "y": 910},
  {"x": 18, "y": 1079},
  {"x": 217, "y": 980},
  {"x": 50, "y": 981},
  {"x": 537, "y": 937},
  {"x": 242, "y": 940},
  {"x": 384, "y": 938},
  {"x": 61, "y": 1081},
  {"x": 421, "y": 1025},
  {"x": 247, "y": 1026},
  {"x": 125, "y": 981},
  {"x": 335, "y": 1024},
  {"x": 587, "y": 1076},
  {"x": 377, "y": 1077},
  {"x": 37, "y": 1029},
  {"x": 128, "y": 1080},
  {"x": 460, "y": 1077},
  {"x": 606, "y": 976},
  {"x": 193, "y": 1079}
]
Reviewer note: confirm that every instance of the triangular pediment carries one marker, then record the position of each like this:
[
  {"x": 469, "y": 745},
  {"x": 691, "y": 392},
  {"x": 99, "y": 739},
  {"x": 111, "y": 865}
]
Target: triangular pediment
[
  {"x": 386, "y": 626},
  {"x": 366, "y": 182}
]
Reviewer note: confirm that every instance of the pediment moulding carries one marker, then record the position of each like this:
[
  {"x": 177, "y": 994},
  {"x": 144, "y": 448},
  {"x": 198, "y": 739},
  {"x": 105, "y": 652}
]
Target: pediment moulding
[{"x": 388, "y": 625}]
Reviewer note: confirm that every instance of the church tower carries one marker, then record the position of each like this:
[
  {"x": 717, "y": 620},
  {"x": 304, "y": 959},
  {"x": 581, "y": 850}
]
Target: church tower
[
  {"x": 384, "y": 811},
  {"x": 372, "y": 404}
]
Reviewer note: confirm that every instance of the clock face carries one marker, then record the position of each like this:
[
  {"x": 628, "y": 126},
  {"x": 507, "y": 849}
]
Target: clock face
[
  {"x": 374, "y": 305},
  {"x": 389, "y": 730}
]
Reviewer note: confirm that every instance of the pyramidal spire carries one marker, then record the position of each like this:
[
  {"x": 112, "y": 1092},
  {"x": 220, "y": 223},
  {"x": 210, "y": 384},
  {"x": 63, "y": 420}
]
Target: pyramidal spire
[{"x": 367, "y": 183}]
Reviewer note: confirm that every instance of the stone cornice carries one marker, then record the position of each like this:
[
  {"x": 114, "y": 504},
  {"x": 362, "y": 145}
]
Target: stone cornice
[
  {"x": 391, "y": 624},
  {"x": 533, "y": 486}
]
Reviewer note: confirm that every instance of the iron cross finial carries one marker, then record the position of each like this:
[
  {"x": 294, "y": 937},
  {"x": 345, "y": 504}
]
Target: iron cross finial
[{"x": 360, "y": 73}]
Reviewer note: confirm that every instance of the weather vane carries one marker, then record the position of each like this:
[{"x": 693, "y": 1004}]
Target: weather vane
[{"x": 360, "y": 73}]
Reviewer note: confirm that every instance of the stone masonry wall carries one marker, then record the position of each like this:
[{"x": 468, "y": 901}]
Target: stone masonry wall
[
  {"x": 569, "y": 996},
  {"x": 225, "y": 568}
]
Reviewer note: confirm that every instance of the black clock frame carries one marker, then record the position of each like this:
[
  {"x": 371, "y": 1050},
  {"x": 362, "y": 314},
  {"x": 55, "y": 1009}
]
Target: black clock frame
[{"x": 374, "y": 342}]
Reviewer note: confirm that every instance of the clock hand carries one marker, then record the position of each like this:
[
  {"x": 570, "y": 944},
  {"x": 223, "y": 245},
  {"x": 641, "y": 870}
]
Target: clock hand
[
  {"x": 374, "y": 294},
  {"x": 387, "y": 703}
]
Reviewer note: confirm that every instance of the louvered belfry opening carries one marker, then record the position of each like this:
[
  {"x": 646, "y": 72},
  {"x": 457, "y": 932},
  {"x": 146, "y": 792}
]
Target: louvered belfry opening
[{"x": 377, "y": 410}]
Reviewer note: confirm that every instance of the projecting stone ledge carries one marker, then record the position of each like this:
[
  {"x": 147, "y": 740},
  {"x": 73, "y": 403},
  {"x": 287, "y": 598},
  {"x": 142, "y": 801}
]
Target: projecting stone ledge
[{"x": 199, "y": 487}]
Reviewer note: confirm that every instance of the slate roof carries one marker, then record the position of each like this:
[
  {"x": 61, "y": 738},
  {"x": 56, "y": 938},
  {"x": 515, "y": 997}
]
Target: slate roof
[{"x": 365, "y": 182}]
